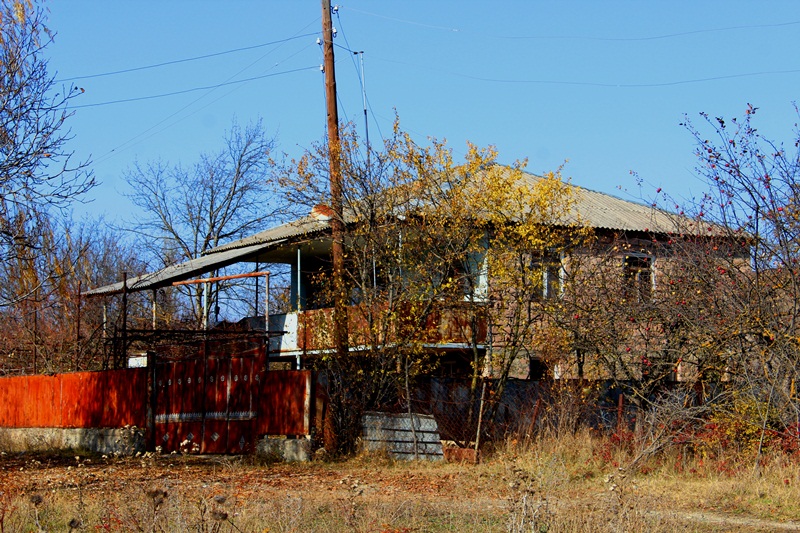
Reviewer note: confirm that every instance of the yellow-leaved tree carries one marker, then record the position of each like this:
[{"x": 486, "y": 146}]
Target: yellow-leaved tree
[{"x": 449, "y": 265}]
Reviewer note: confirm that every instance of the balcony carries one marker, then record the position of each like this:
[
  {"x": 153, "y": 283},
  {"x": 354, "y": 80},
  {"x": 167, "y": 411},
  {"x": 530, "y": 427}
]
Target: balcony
[{"x": 312, "y": 330}]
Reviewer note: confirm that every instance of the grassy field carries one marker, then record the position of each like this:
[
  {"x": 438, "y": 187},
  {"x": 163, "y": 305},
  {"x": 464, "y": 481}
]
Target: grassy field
[{"x": 574, "y": 483}]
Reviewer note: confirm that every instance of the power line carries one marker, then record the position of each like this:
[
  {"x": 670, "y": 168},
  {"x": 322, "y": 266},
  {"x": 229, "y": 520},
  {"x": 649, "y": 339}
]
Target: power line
[
  {"x": 185, "y": 60},
  {"x": 653, "y": 37},
  {"x": 633, "y": 85},
  {"x": 361, "y": 81},
  {"x": 144, "y": 135},
  {"x": 599, "y": 84},
  {"x": 578, "y": 37},
  {"x": 193, "y": 89},
  {"x": 404, "y": 21}
]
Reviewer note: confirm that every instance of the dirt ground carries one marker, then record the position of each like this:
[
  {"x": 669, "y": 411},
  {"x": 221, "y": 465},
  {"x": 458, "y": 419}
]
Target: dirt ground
[{"x": 176, "y": 493}]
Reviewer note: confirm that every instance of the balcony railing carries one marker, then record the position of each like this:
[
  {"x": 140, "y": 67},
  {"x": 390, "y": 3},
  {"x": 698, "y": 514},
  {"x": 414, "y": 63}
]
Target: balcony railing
[{"x": 312, "y": 330}]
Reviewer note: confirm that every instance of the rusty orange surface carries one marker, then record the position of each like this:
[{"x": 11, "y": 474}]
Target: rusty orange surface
[
  {"x": 112, "y": 398},
  {"x": 282, "y": 403},
  {"x": 441, "y": 326}
]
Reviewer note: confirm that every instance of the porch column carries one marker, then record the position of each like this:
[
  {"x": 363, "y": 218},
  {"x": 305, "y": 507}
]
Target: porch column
[
  {"x": 206, "y": 287},
  {"x": 155, "y": 308},
  {"x": 298, "y": 278}
]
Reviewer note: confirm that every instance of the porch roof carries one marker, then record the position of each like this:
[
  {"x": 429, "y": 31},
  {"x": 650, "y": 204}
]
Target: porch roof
[
  {"x": 252, "y": 248},
  {"x": 179, "y": 272}
]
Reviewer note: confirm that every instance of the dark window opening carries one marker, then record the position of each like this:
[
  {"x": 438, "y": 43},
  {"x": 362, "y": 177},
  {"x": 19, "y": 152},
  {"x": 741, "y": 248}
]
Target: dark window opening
[{"x": 638, "y": 275}]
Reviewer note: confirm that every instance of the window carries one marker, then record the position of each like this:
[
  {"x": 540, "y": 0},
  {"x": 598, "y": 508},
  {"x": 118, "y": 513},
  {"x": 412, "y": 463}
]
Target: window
[
  {"x": 548, "y": 275},
  {"x": 551, "y": 279},
  {"x": 638, "y": 274},
  {"x": 473, "y": 271}
]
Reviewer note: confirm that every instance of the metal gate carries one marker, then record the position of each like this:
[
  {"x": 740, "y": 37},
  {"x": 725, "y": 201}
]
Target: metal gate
[{"x": 207, "y": 403}]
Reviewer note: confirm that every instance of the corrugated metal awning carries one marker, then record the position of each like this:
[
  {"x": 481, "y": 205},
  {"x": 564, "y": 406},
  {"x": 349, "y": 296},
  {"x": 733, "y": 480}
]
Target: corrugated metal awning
[{"x": 182, "y": 271}]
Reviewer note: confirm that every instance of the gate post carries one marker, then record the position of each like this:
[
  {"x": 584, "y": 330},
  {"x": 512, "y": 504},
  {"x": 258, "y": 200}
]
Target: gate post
[
  {"x": 150, "y": 403},
  {"x": 308, "y": 404}
]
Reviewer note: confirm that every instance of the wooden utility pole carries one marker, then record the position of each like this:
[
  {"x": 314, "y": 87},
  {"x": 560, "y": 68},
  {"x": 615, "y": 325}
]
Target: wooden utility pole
[{"x": 334, "y": 153}]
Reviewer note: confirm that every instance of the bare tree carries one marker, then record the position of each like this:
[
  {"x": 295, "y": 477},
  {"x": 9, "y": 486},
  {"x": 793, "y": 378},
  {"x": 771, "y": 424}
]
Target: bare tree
[
  {"x": 51, "y": 328},
  {"x": 222, "y": 197},
  {"x": 754, "y": 194},
  {"x": 37, "y": 174}
]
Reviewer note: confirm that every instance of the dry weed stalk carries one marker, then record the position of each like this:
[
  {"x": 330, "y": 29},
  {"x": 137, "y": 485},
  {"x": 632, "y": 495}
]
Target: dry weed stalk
[{"x": 528, "y": 509}]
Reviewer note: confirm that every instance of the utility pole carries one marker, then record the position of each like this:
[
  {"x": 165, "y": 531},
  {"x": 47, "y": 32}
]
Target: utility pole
[{"x": 334, "y": 153}]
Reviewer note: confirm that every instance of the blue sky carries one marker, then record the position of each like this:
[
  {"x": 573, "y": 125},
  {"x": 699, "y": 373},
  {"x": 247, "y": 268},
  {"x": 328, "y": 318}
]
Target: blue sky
[{"x": 601, "y": 85}]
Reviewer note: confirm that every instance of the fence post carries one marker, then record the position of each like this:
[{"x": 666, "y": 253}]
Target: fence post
[
  {"x": 480, "y": 417},
  {"x": 150, "y": 409},
  {"x": 120, "y": 358},
  {"x": 620, "y": 411},
  {"x": 536, "y": 409}
]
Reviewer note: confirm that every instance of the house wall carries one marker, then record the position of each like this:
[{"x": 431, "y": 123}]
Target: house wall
[{"x": 596, "y": 282}]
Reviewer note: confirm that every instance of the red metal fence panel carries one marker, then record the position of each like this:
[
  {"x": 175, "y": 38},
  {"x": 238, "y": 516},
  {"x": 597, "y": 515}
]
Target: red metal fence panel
[
  {"x": 40, "y": 401},
  {"x": 240, "y": 405},
  {"x": 113, "y": 398},
  {"x": 215, "y": 430},
  {"x": 125, "y": 398},
  {"x": 216, "y": 403},
  {"x": 284, "y": 403}
]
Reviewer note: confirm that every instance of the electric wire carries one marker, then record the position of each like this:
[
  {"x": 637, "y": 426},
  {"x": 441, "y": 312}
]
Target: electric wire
[
  {"x": 651, "y": 37},
  {"x": 369, "y": 103},
  {"x": 404, "y": 21},
  {"x": 631, "y": 85},
  {"x": 375, "y": 120},
  {"x": 184, "y": 60},
  {"x": 582, "y": 37},
  {"x": 239, "y": 83},
  {"x": 141, "y": 137},
  {"x": 361, "y": 82},
  {"x": 596, "y": 84},
  {"x": 349, "y": 49},
  {"x": 193, "y": 89}
]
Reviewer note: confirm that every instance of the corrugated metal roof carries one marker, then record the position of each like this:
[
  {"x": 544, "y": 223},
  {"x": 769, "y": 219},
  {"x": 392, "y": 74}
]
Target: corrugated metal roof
[
  {"x": 297, "y": 228},
  {"x": 594, "y": 209},
  {"x": 166, "y": 276},
  {"x": 604, "y": 211}
]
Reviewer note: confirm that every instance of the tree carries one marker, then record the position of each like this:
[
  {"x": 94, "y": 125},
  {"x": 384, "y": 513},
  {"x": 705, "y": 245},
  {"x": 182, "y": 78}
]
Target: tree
[
  {"x": 37, "y": 174},
  {"x": 424, "y": 235},
  {"x": 754, "y": 195},
  {"x": 722, "y": 314},
  {"x": 187, "y": 211},
  {"x": 50, "y": 328}
]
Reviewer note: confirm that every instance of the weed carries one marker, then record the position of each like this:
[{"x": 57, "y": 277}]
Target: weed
[{"x": 528, "y": 508}]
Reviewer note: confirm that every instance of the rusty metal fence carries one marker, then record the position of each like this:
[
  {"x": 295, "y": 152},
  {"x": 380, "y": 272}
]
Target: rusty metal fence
[
  {"x": 112, "y": 399},
  {"x": 206, "y": 397},
  {"x": 466, "y": 414}
]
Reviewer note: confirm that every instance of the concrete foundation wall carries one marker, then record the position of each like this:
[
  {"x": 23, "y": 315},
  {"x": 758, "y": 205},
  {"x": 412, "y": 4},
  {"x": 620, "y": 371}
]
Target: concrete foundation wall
[
  {"x": 281, "y": 449},
  {"x": 118, "y": 441}
]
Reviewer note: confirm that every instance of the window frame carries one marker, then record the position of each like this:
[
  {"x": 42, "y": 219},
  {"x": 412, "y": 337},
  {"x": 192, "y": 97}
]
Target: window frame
[{"x": 634, "y": 264}]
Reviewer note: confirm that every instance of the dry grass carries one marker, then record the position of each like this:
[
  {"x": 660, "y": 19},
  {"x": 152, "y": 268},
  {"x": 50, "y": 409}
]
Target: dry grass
[{"x": 570, "y": 482}]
